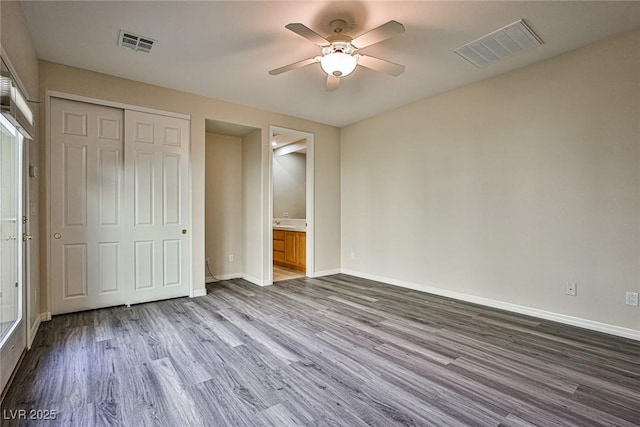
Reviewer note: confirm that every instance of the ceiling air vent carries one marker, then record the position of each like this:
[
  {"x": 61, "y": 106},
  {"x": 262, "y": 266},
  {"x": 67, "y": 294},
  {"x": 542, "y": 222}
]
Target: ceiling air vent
[
  {"x": 505, "y": 42},
  {"x": 136, "y": 42}
]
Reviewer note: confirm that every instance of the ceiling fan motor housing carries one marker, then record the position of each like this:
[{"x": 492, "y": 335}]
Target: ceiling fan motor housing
[{"x": 339, "y": 47}]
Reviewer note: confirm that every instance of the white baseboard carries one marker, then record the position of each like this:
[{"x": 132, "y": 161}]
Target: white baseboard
[
  {"x": 229, "y": 276},
  {"x": 325, "y": 273},
  {"x": 33, "y": 331},
  {"x": 198, "y": 293},
  {"x": 530, "y": 311},
  {"x": 255, "y": 280}
]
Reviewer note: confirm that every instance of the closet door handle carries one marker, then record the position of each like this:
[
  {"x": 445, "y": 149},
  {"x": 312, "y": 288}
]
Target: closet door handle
[{"x": 184, "y": 231}]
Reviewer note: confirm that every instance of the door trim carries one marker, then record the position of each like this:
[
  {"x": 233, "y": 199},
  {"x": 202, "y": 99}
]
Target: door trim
[
  {"x": 32, "y": 304},
  {"x": 105, "y": 103},
  {"x": 310, "y": 200},
  {"x": 47, "y": 161}
]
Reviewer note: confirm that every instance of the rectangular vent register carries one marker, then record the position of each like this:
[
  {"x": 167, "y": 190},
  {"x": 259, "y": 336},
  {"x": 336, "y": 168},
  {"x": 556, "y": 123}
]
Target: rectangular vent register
[
  {"x": 136, "y": 42},
  {"x": 500, "y": 44}
]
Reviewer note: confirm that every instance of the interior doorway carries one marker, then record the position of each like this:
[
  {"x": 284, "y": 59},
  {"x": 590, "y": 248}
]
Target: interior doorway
[
  {"x": 291, "y": 204},
  {"x": 233, "y": 202}
]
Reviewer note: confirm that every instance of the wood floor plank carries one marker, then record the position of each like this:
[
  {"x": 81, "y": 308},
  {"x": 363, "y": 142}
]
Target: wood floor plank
[
  {"x": 174, "y": 401},
  {"x": 252, "y": 332},
  {"x": 139, "y": 399},
  {"x": 329, "y": 351},
  {"x": 278, "y": 416}
]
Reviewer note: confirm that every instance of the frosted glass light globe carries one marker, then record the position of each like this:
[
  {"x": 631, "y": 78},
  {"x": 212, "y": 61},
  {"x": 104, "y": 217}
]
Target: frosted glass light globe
[{"x": 338, "y": 64}]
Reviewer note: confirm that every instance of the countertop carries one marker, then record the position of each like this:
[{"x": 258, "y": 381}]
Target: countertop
[{"x": 302, "y": 229}]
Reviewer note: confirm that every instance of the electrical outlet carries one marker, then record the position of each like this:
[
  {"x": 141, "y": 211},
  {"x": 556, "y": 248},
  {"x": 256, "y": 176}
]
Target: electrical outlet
[
  {"x": 230, "y": 257},
  {"x": 206, "y": 260},
  {"x": 353, "y": 255},
  {"x": 285, "y": 214},
  {"x": 572, "y": 289},
  {"x": 632, "y": 298}
]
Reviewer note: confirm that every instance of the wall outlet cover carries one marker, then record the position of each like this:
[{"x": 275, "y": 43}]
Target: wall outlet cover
[
  {"x": 572, "y": 289},
  {"x": 631, "y": 298}
]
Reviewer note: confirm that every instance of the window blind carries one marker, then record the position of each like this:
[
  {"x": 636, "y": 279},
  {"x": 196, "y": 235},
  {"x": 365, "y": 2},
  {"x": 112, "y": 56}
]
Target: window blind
[{"x": 13, "y": 104}]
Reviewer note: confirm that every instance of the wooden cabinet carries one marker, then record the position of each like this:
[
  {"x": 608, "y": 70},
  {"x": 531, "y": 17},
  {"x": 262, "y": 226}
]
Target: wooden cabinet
[
  {"x": 290, "y": 249},
  {"x": 301, "y": 251},
  {"x": 278, "y": 247}
]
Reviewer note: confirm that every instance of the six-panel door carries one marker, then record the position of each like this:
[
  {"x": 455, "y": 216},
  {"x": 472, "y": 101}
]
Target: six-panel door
[
  {"x": 88, "y": 254},
  {"x": 119, "y": 206},
  {"x": 157, "y": 199}
]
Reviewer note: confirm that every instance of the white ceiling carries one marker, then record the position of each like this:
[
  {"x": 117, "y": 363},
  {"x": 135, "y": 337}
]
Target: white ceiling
[{"x": 225, "y": 49}]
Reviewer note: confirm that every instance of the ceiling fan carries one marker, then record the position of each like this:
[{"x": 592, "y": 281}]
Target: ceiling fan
[{"x": 339, "y": 51}]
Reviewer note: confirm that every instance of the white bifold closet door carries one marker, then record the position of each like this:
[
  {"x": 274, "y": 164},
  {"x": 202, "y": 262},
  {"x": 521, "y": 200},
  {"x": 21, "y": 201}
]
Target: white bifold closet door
[
  {"x": 157, "y": 205},
  {"x": 119, "y": 205},
  {"x": 88, "y": 255}
]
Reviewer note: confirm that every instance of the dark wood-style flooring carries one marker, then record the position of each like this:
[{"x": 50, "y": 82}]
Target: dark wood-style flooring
[{"x": 332, "y": 351}]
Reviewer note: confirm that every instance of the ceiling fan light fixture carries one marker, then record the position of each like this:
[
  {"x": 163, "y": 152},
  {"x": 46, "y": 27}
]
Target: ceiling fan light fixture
[
  {"x": 338, "y": 64},
  {"x": 339, "y": 51}
]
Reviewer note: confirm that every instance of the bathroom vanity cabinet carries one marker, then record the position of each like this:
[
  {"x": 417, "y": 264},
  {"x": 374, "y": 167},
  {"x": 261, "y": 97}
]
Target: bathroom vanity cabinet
[{"x": 290, "y": 249}]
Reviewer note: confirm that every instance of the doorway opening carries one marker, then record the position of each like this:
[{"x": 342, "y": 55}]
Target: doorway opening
[
  {"x": 233, "y": 199},
  {"x": 291, "y": 204}
]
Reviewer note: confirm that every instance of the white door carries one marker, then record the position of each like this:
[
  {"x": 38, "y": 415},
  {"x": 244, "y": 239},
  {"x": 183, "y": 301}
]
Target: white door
[
  {"x": 88, "y": 255},
  {"x": 12, "y": 324},
  {"x": 157, "y": 195}
]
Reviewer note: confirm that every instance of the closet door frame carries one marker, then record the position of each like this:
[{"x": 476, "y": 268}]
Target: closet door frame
[{"x": 47, "y": 211}]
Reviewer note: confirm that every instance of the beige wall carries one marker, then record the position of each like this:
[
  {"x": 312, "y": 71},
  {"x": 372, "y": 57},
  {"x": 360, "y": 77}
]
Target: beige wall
[
  {"x": 223, "y": 204},
  {"x": 61, "y": 78},
  {"x": 509, "y": 188},
  {"x": 252, "y": 207},
  {"x": 289, "y": 185},
  {"x": 16, "y": 42}
]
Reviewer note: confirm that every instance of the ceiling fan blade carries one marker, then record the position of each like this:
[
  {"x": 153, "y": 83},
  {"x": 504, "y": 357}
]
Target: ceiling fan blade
[
  {"x": 378, "y": 34},
  {"x": 293, "y": 66},
  {"x": 332, "y": 83},
  {"x": 378, "y": 64},
  {"x": 307, "y": 33}
]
